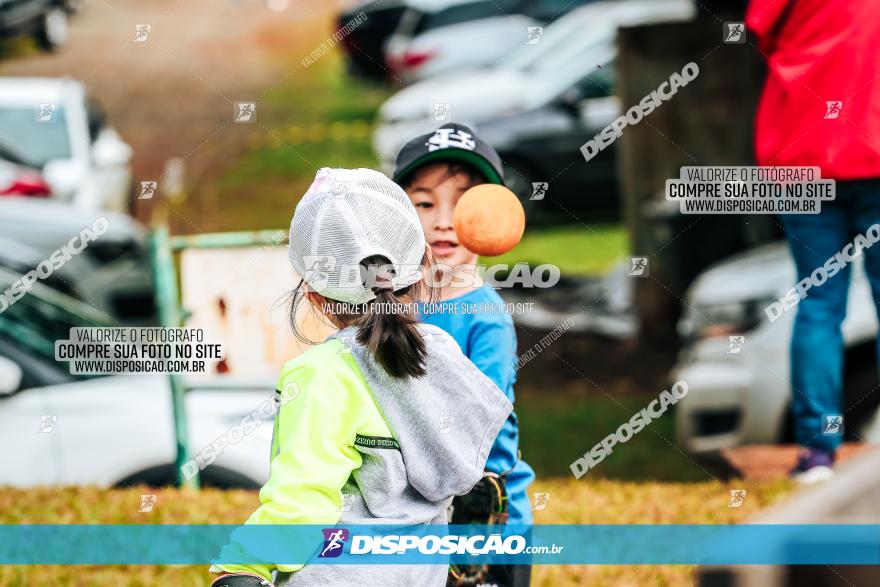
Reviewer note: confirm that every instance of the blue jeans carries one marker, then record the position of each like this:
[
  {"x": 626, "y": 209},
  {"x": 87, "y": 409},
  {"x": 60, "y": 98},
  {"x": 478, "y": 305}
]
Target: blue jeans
[{"x": 817, "y": 343}]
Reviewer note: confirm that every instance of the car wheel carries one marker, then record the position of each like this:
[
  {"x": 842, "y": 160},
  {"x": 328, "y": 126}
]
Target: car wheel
[
  {"x": 861, "y": 394},
  {"x": 53, "y": 30},
  {"x": 716, "y": 465},
  {"x": 861, "y": 389},
  {"x": 213, "y": 476}
]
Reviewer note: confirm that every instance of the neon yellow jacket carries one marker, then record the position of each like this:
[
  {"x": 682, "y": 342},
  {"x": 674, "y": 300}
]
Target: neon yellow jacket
[
  {"x": 392, "y": 450},
  {"x": 325, "y": 404}
]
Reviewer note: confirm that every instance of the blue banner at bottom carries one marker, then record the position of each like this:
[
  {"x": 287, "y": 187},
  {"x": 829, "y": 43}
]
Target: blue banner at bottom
[{"x": 841, "y": 544}]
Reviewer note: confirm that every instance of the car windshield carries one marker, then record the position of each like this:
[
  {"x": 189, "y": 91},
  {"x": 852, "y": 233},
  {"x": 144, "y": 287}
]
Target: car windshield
[
  {"x": 34, "y": 136},
  {"x": 42, "y": 316}
]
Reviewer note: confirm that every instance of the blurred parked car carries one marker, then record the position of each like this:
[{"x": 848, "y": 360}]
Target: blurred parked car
[
  {"x": 112, "y": 274},
  {"x": 538, "y": 105},
  {"x": 439, "y": 36},
  {"x": 112, "y": 430},
  {"x": 45, "y": 20},
  {"x": 365, "y": 45},
  {"x": 54, "y": 125},
  {"x": 739, "y": 391}
]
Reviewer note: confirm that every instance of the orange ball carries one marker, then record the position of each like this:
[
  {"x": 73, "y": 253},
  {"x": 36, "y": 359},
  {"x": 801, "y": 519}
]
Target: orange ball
[{"x": 489, "y": 219}]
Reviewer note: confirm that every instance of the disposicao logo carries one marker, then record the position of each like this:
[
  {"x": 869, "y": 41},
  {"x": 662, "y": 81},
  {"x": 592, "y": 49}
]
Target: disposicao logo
[{"x": 334, "y": 540}]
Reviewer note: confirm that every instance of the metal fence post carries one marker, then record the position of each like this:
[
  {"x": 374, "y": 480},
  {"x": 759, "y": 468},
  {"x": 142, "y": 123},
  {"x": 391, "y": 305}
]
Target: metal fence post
[{"x": 170, "y": 315}]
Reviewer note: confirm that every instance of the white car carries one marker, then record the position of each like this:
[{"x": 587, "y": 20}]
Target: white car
[
  {"x": 54, "y": 125},
  {"x": 61, "y": 429},
  {"x": 740, "y": 389},
  {"x": 439, "y": 36},
  {"x": 528, "y": 78}
]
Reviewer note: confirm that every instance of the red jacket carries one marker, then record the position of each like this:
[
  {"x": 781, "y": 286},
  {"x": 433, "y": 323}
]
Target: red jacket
[{"x": 819, "y": 51}]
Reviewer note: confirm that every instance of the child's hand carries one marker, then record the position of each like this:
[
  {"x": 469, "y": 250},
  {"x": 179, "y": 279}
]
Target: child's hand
[{"x": 240, "y": 580}]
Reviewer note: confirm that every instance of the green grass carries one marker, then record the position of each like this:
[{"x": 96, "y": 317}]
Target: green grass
[
  {"x": 557, "y": 429},
  {"x": 325, "y": 93},
  {"x": 263, "y": 188},
  {"x": 588, "y": 501},
  {"x": 576, "y": 249},
  {"x": 18, "y": 47}
]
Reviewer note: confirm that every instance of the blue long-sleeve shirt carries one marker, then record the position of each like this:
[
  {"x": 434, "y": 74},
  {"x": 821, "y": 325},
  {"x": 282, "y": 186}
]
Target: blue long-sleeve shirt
[{"x": 486, "y": 335}]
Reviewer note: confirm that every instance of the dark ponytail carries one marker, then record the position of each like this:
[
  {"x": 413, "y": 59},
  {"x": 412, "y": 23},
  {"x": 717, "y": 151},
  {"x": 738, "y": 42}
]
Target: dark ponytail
[
  {"x": 390, "y": 333},
  {"x": 389, "y": 330}
]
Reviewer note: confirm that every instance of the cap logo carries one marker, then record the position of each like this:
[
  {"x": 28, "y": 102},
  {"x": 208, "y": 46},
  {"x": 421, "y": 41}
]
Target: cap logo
[
  {"x": 318, "y": 270},
  {"x": 446, "y": 138}
]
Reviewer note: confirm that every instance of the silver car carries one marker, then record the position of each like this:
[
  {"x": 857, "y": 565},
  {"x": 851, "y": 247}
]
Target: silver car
[{"x": 737, "y": 362}]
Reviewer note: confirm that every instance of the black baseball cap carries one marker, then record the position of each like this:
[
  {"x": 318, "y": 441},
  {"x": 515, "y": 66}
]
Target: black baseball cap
[{"x": 450, "y": 142}]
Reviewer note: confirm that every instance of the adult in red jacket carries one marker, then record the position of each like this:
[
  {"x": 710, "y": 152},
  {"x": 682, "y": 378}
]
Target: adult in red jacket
[{"x": 821, "y": 106}]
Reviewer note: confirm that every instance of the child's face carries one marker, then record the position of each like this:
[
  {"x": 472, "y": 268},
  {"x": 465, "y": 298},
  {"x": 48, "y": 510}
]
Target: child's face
[{"x": 435, "y": 192}]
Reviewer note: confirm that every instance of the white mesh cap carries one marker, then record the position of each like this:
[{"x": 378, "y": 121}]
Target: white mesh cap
[{"x": 346, "y": 216}]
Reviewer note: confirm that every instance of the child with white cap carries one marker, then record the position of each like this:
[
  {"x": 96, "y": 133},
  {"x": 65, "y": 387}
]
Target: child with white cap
[{"x": 364, "y": 433}]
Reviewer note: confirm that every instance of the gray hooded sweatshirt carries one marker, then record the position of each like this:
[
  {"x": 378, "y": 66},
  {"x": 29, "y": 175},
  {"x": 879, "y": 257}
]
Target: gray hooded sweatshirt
[{"x": 444, "y": 424}]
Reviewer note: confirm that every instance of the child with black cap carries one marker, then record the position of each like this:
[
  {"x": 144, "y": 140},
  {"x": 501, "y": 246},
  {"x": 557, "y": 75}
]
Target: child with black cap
[{"x": 435, "y": 169}]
